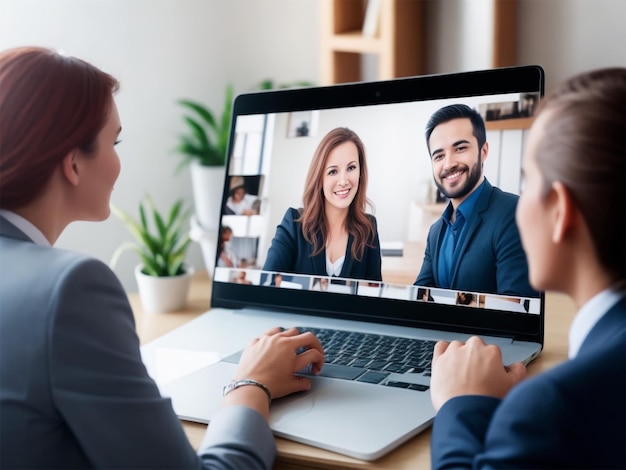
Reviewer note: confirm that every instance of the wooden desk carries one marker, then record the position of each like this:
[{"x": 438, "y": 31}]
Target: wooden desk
[{"x": 291, "y": 455}]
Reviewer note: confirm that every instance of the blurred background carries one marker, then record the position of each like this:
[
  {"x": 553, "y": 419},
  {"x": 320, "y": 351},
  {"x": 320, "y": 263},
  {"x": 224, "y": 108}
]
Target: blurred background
[{"x": 165, "y": 50}]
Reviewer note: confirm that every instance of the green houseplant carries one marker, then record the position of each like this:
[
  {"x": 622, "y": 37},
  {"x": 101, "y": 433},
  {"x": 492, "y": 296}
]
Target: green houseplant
[
  {"x": 203, "y": 148},
  {"x": 161, "y": 247},
  {"x": 207, "y": 138},
  {"x": 163, "y": 277}
]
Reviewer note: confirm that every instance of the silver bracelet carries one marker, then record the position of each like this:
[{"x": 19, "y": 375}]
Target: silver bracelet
[{"x": 234, "y": 384}]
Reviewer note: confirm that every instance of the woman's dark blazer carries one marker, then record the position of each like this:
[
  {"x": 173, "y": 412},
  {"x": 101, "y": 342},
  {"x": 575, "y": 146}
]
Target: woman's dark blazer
[
  {"x": 291, "y": 253},
  {"x": 571, "y": 416}
]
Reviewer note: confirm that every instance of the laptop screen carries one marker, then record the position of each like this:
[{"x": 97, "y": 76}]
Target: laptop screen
[{"x": 415, "y": 268}]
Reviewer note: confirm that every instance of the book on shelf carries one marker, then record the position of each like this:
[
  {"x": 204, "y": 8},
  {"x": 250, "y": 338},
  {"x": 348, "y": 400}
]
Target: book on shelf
[{"x": 372, "y": 18}]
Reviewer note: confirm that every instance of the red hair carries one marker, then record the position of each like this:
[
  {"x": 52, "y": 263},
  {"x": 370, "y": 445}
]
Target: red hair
[
  {"x": 50, "y": 105},
  {"x": 313, "y": 215}
]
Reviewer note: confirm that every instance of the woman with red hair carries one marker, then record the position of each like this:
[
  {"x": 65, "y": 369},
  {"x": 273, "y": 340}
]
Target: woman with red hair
[
  {"x": 74, "y": 392},
  {"x": 332, "y": 235}
]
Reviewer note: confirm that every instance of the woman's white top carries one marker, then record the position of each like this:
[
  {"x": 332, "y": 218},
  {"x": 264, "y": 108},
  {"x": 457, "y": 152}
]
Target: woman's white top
[{"x": 334, "y": 269}]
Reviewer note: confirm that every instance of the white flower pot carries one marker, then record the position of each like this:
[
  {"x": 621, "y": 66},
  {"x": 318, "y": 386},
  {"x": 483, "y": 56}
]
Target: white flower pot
[
  {"x": 207, "y": 184},
  {"x": 207, "y": 241},
  {"x": 163, "y": 294}
]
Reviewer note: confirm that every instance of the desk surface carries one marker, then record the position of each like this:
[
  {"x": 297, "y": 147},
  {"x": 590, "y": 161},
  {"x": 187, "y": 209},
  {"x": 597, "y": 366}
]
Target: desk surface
[{"x": 413, "y": 454}]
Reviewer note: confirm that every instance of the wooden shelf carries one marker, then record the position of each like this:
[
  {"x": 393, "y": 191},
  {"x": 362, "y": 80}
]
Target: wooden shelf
[
  {"x": 355, "y": 42},
  {"x": 398, "y": 44},
  {"x": 503, "y": 124}
]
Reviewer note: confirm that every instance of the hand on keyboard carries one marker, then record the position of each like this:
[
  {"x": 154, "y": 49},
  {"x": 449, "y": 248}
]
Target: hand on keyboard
[{"x": 272, "y": 359}]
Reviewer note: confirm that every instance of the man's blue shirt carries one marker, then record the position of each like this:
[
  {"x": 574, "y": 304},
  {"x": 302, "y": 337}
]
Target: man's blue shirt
[{"x": 453, "y": 235}]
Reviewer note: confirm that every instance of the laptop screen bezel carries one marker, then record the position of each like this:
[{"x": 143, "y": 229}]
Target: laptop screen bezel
[{"x": 519, "y": 326}]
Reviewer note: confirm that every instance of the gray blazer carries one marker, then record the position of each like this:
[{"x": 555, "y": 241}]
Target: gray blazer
[{"x": 73, "y": 389}]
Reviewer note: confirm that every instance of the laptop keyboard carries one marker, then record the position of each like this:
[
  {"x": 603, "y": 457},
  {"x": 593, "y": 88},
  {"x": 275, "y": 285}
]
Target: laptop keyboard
[{"x": 372, "y": 358}]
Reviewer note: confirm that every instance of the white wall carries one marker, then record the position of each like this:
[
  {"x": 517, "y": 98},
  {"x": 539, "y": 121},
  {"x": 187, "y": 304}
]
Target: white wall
[
  {"x": 162, "y": 50},
  {"x": 570, "y": 36},
  {"x": 563, "y": 36},
  {"x": 458, "y": 35}
]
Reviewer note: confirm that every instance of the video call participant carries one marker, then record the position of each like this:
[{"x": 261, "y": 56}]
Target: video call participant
[
  {"x": 320, "y": 284},
  {"x": 241, "y": 278},
  {"x": 239, "y": 202},
  {"x": 332, "y": 234},
  {"x": 74, "y": 392},
  {"x": 574, "y": 415},
  {"x": 226, "y": 256},
  {"x": 475, "y": 245}
]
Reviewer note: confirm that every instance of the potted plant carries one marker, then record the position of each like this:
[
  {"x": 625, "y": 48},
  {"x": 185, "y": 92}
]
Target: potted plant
[
  {"x": 203, "y": 147},
  {"x": 163, "y": 277}
]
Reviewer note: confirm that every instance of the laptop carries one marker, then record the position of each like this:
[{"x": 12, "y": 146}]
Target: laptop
[{"x": 365, "y": 412}]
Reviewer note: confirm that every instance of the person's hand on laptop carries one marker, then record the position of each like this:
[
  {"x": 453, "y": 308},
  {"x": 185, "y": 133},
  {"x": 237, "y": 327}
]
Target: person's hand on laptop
[
  {"x": 272, "y": 361},
  {"x": 471, "y": 368}
]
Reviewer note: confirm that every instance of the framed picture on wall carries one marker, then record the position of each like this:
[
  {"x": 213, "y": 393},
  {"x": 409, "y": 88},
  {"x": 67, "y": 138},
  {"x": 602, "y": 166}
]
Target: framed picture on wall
[{"x": 302, "y": 124}]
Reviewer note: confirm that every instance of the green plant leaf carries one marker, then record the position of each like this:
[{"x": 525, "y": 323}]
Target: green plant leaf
[
  {"x": 173, "y": 215},
  {"x": 159, "y": 245},
  {"x": 268, "y": 84},
  {"x": 200, "y": 137},
  {"x": 201, "y": 110},
  {"x": 207, "y": 140}
]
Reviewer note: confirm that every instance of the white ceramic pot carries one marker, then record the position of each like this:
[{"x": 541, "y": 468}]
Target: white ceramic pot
[
  {"x": 207, "y": 184},
  {"x": 207, "y": 241},
  {"x": 163, "y": 294}
]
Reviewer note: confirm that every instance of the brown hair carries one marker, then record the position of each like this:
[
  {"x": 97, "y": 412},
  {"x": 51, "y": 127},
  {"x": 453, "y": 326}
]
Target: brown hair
[
  {"x": 50, "y": 104},
  {"x": 313, "y": 216},
  {"x": 584, "y": 147}
]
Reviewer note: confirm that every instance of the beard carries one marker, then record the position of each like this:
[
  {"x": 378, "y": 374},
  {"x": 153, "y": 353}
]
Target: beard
[{"x": 473, "y": 176}]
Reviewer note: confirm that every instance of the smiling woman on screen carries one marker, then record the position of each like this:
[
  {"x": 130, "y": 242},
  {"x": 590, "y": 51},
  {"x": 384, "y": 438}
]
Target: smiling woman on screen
[{"x": 332, "y": 234}]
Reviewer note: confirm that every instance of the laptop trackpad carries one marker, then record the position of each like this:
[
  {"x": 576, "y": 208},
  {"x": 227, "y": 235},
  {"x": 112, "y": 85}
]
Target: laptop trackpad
[
  {"x": 297, "y": 404},
  {"x": 195, "y": 397},
  {"x": 342, "y": 415}
]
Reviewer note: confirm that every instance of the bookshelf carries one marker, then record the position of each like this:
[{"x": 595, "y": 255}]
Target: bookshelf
[
  {"x": 508, "y": 124},
  {"x": 396, "y": 39}
]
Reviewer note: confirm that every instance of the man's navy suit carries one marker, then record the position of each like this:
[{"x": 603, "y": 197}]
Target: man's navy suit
[
  {"x": 491, "y": 258},
  {"x": 74, "y": 392},
  {"x": 573, "y": 416},
  {"x": 291, "y": 253}
]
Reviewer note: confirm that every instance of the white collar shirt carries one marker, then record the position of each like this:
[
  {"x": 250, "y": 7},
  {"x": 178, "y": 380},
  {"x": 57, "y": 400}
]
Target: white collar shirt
[
  {"x": 25, "y": 226},
  {"x": 589, "y": 315}
]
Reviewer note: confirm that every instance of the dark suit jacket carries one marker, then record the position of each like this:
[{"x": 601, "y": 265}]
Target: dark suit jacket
[
  {"x": 573, "y": 416},
  {"x": 492, "y": 259},
  {"x": 74, "y": 392},
  {"x": 291, "y": 253}
]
